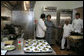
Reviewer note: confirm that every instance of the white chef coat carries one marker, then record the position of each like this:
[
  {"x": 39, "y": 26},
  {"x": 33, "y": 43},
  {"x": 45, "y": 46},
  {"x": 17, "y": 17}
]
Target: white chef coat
[
  {"x": 67, "y": 29},
  {"x": 77, "y": 25},
  {"x": 41, "y": 28},
  {"x": 16, "y": 30}
]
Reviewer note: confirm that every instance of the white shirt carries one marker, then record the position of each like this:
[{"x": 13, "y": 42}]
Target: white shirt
[
  {"x": 16, "y": 29},
  {"x": 67, "y": 29},
  {"x": 77, "y": 25},
  {"x": 41, "y": 28}
]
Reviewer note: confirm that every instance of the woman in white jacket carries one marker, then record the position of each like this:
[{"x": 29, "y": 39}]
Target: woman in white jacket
[{"x": 41, "y": 28}]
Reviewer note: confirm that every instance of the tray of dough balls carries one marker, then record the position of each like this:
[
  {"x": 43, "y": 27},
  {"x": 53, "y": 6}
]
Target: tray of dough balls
[{"x": 34, "y": 45}]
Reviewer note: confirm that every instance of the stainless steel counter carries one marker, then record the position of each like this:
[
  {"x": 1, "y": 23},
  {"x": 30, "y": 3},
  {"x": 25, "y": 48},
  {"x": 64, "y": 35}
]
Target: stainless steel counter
[
  {"x": 21, "y": 52},
  {"x": 18, "y": 52}
]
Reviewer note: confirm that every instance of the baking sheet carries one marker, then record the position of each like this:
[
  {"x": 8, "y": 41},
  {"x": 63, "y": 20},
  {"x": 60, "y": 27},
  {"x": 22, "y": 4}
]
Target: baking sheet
[{"x": 37, "y": 46}]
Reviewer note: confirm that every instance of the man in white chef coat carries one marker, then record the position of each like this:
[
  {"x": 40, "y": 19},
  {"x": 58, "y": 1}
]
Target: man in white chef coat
[
  {"x": 66, "y": 33},
  {"x": 77, "y": 24},
  {"x": 41, "y": 28}
]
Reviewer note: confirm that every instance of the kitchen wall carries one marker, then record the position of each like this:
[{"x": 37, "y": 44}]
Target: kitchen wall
[
  {"x": 59, "y": 4},
  {"x": 26, "y": 20},
  {"x": 80, "y": 10},
  {"x": 5, "y": 12}
]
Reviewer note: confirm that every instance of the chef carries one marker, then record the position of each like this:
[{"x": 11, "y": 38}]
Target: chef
[
  {"x": 41, "y": 28},
  {"x": 49, "y": 24},
  {"x": 66, "y": 33},
  {"x": 77, "y": 24}
]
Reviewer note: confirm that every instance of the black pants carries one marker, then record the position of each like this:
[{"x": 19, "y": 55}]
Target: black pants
[{"x": 40, "y": 38}]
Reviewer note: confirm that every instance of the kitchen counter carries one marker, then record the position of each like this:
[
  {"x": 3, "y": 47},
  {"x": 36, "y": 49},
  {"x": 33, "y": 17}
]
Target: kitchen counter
[
  {"x": 76, "y": 43},
  {"x": 76, "y": 37},
  {"x": 9, "y": 42},
  {"x": 21, "y": 52}
]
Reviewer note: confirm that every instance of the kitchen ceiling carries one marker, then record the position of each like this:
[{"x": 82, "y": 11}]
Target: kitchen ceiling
[{"x": 16, "y": 5}]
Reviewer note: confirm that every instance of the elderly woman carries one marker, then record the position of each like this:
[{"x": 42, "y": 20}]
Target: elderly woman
[{"x": 49, "y": 24}]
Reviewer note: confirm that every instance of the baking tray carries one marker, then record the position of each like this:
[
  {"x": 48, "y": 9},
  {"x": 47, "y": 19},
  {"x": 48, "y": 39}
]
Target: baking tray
[{"x": 37, "y": 46}]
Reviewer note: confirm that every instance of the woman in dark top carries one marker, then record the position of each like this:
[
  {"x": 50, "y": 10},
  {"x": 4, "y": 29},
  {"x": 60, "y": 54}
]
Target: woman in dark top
[{"x": 49, "y": 24}]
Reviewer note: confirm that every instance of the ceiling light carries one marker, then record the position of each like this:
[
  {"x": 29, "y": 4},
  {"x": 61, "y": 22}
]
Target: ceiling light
[{"x": 26, "y": 4}]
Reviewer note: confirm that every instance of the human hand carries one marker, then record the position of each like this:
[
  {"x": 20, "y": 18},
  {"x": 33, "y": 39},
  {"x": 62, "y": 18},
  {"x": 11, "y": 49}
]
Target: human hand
[{"x": 59, "y": 27}]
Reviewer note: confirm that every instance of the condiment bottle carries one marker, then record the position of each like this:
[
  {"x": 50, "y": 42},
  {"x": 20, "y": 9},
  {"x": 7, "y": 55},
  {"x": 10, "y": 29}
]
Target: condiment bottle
[{"x": 19, "y": 45}]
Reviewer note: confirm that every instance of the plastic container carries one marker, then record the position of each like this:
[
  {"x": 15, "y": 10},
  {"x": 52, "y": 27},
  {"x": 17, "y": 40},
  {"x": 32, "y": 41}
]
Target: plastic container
[{"x": 19, "y": 45}]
